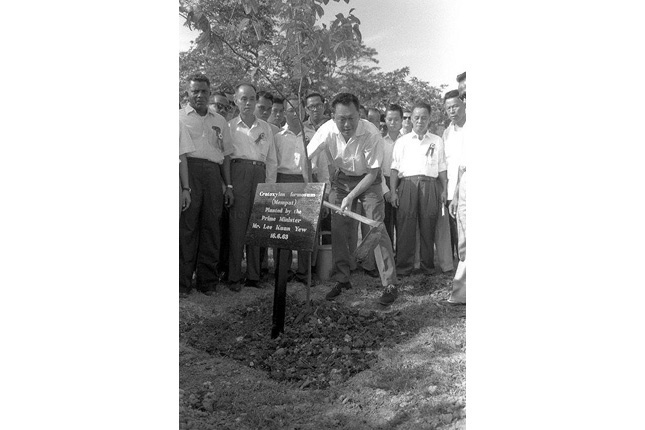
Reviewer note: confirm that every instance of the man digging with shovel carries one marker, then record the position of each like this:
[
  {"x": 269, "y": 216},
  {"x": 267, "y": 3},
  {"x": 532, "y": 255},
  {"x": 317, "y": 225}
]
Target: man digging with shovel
[{"x": 354, "y": 149}]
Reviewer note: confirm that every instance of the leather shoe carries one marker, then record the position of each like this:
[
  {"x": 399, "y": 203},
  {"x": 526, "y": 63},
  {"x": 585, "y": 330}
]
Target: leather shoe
[{"x": 253, "y": 283}]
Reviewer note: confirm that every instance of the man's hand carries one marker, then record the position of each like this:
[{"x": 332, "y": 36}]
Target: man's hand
[
  {"x": 453, "y": 208},
  {"x": 444, "y": 197},
  {"x": 394, "y": 199},
  {"x": 229, "y": 198},
  {"x": 185, "y": 200},
  {"x": 346, "y": 204},
  {"x": 388, "y": 197}
]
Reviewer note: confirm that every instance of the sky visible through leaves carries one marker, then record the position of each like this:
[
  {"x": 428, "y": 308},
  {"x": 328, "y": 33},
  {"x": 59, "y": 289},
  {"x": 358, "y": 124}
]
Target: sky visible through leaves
[{"x": 421, "y": 34}]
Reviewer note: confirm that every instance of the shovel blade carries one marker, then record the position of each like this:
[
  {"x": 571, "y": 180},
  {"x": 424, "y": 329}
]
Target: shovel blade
[{"x": 370, "y": 241}]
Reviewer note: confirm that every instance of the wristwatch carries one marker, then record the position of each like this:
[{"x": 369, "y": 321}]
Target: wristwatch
[
  {"x": 186, "y": 189},
  {"x": 229, "y": 186}
]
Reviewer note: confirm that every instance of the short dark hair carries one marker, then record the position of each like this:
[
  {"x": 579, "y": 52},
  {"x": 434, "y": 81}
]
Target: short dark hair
[
  {"x": 422, "y": 105},
  {"x": 395, "y": 108},
  {"x": 199, "y": 77},
  {"x": 265, "y": 94},
  {"x": 451, "y": 95},
  {"x": 322, "y": 99},
  {"x": 346, "y": 99},
  {"x": 293, "y": 97},
  {"x": 461, "y": 77},
  {"x": 248, "y": 84},
  {"x": 278, "y": 100}
]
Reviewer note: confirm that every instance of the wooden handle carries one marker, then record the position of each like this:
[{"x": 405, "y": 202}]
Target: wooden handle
[{"x": 351, "y": 214}]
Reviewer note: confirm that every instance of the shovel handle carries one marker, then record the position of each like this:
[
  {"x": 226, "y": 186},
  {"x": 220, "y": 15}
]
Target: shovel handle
[{"x": 351, "y": 214}]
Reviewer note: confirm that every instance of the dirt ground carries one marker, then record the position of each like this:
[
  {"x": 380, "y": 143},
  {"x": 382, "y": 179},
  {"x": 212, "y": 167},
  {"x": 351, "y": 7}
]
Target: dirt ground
[{"x": 402, "y": 367}]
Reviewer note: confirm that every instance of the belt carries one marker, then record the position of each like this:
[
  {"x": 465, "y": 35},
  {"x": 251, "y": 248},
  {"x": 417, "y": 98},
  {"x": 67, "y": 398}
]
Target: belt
[
  {"x": 245, "y": 161},
  {"x": 423, "y": 178},
  {"x": 199, "y": 160}
]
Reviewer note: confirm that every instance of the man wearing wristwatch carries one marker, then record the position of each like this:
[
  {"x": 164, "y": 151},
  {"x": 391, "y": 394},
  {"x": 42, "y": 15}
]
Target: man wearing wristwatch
[
  {"x": 208, "y": 167},
  {"x": 253, "y": 161}
]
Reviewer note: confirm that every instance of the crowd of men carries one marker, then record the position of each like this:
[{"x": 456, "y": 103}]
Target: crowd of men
[{"x": 387, "y": 166}]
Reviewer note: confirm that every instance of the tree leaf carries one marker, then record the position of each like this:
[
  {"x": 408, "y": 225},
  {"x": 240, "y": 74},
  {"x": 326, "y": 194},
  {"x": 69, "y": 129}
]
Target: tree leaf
[
  {"x": 242, "y": 25},
  {"x": 319, "y": 10},
  {"x": 258, "y": 29},
  {"x": 357, "y": 32}
]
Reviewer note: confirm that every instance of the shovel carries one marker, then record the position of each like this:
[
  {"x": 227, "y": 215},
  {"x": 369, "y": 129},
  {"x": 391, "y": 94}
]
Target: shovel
[{"x": 369, "y": 242}]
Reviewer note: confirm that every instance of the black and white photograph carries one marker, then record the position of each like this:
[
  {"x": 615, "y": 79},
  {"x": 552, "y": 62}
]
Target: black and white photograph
[
  {"x": 320, "y": 208},
  {"x": 322, "y": 215}
]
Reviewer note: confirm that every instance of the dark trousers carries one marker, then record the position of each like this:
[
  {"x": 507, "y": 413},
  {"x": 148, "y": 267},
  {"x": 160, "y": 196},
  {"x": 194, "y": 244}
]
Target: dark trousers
[
  {"x": 454, "y": 235},
  {"x": 419, "y": 204},
  {"x": 224, "y": 244},
  {"x": 390, "y": 217},
  {"x": 245, "y": 178},
  {"x": 199, "y": 226}
]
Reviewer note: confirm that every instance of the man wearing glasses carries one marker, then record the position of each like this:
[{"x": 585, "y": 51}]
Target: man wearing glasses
[
  {"x": 354, "y": 149},
  {"x": 222, "y": 106},
  {"x": 315, "y": 105},
  {"x": 406, "y": 125}
]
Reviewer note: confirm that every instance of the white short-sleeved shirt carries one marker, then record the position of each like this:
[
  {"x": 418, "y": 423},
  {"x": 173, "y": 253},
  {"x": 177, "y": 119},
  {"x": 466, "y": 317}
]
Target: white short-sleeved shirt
[
  {"x": 363, "y": 151},
  {"x": 209, "y": 133},
  {"x": 414, "y": 156},
  {"x": 291, "y": 154},
  {"x": 453, "y": 140},
  {"x": 255, "y": 143},
  {"x": 185, "y": 142}
]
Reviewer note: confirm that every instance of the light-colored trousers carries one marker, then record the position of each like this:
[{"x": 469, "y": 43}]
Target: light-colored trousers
[{"x": 459, "y": 283}]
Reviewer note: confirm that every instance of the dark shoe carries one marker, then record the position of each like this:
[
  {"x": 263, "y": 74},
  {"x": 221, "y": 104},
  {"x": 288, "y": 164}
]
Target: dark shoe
[
  {"x": 300, "y": 278},
  {"x": 372, "y": 273},
  {"x": 335, "y": 292},
  {"x": 252, "y": 283},
  {"x": 389, "y": 295},
  {"x": 209, "y": 291},
  {"x": 235, "y": 286}
]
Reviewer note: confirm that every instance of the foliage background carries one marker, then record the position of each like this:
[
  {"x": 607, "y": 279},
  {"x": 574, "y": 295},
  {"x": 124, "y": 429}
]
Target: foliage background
[{"x": 278, "y": 46}]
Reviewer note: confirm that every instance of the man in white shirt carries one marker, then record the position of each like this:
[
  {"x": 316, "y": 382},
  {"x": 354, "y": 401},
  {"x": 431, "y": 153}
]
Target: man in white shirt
[
  {"x": 291, "y": 157},
  {"x": 208, "y": 164},
  {"x": 253, "y": 161},
  {"x": 418, "y": 185},
  {"x": 394, "y": 122},
  {"x": 453, "y": 139},
  {"x": 354, "y": 148}
]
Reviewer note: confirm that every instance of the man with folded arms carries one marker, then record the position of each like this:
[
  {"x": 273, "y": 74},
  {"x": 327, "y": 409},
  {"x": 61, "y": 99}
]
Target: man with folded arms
[
  {"x": 418, "y": 183},
  {"x": 253, "y": 161},
  {"x": 354, "y": 148},
  {"x": 208, "y": 165}
]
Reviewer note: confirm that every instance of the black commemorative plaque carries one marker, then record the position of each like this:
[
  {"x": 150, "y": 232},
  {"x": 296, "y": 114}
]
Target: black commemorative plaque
[{"x": 285, "y": 215}]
